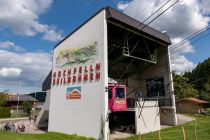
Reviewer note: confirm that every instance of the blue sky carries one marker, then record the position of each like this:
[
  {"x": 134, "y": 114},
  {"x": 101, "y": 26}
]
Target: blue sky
[{"x": 29, "y": 33}]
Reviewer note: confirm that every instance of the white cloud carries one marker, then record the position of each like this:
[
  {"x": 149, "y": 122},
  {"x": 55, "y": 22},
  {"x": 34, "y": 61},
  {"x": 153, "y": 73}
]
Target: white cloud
[
  {"x": 10, "y": 72},
  {"x": 22, "y": 17},
  {"x": 180, "y": 63},
  {"x": 205, "y": 4},
  {"x": 8, "y": 45},
  {"x": 51, "y": 35},
  {"x": 184, "y": 47},
  {"x": 182, "y": 20},
  {"x": 122, "y": 5},
  {"x": 34, "y": 67}
]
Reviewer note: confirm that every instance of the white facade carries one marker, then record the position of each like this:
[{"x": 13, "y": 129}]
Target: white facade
[
  {"x": 83, "y": 113},
  {"x": 147, "y": 118},
  {"x": 78, "y": 96}
]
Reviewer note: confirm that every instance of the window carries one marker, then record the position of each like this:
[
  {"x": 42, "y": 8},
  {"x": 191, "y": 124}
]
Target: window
[
  {"x": 155, "y": 87},
  {"x": 120, "y": 93}
]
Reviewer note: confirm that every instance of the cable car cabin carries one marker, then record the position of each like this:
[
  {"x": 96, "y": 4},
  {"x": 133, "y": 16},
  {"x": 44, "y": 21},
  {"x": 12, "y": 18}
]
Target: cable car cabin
[{"x": 117, "y": 98}]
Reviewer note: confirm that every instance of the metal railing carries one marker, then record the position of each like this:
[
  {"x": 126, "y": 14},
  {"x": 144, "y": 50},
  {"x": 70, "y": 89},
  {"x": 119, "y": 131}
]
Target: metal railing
[{"x": 134, "y": 102}]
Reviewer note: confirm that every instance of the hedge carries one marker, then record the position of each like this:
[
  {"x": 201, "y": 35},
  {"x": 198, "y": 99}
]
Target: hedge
[{"x": 5, "y": 112}]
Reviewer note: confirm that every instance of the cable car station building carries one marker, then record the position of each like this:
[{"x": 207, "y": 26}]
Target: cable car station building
[{"x": 110, "y": 50}]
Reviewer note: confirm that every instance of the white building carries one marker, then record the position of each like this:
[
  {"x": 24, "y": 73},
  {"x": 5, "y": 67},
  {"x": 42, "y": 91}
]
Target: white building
[{"x": 109, "y": 44}]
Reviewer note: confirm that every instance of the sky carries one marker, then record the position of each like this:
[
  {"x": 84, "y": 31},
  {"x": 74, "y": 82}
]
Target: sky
[{"x": 29, "y": 29}]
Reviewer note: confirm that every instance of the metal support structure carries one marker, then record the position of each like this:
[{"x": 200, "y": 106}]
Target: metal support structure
[
  {"x": 128, "y": 53},
  {"x": 137, "y": 33}
]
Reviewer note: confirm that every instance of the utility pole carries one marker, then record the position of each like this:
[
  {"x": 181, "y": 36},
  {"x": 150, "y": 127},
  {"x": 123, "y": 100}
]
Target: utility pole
[
  {"x": 18, "y": 99},
  {"x": 35, "y": 95}
]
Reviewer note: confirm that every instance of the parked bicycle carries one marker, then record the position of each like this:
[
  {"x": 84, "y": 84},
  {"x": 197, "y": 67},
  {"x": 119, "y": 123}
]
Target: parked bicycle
[
  {"x": 20, "y": 128},
  {"x": 9, "y": 126}
]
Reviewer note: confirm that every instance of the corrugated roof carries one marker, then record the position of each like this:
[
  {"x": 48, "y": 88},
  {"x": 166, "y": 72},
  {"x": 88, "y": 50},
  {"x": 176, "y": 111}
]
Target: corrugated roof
[
  {"x": 142, "y": 28},
  {"x": 196, "y": 100}
]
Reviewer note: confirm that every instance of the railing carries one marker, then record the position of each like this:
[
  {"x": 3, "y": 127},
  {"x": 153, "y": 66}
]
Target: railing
[{"x": 133, "y": 102}]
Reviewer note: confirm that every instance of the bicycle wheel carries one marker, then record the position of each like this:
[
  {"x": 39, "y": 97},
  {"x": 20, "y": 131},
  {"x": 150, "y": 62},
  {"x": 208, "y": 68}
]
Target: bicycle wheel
[{"x": 12, "y": 128}]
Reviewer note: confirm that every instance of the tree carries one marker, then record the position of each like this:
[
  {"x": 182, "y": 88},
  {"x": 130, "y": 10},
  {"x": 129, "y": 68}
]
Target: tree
[
  {"x": 3, "y": 100},
  {"x": 202, "y": 72},
  {"x": 183, "y": 88},
  {"x": 27, "y": 107}
]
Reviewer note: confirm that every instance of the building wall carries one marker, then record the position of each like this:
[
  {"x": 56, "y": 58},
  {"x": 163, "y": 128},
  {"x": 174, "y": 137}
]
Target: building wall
[
  {"x": 148, "y": 118},
  {"x": 188, "y": 107},
  {"x": 85, "y": 115},
  {"x": 162, "y": 68},
  {"x": 166, "y": 116}
]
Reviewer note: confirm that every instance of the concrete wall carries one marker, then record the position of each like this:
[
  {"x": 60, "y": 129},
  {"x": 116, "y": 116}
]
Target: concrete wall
[
  {"x": 149, "y": 119},
  {"x": 162, "y": 68},
  {"x": 85, "y": 115},
  {"x": 167, "y": 116}
]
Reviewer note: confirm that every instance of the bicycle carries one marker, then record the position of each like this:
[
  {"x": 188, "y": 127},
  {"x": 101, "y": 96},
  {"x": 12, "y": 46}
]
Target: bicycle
[
  {"x": 9, "y": 126},
  {"x": 20, "y": 128}
]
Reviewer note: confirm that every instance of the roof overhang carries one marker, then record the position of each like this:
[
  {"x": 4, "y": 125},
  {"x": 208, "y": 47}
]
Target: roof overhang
[
  {"x": 130, "y": 23},
  {"x": 115, "y": 17}
]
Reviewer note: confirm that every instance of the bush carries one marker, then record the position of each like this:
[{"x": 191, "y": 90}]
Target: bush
[
  {"x": 26, "y": 107},
  {"x": 5, "y": 112}
]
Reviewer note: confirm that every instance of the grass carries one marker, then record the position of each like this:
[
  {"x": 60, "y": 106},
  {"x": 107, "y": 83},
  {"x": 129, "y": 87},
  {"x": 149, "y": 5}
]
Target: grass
[
  {"x": 175, "y": 133},
  {"x": 47, "y": 136},
  {"x": 208, "y": 110}
]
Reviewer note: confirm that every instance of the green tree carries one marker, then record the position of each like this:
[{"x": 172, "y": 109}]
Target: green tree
[
  {"x": 201, "y": 73},
  {"x": 3, "y": 100},
  {"x": 183, "y": 88},
  {"x": 27, "y": 107}
]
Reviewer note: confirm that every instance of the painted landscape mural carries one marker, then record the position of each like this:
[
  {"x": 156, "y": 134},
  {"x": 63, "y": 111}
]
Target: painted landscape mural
[{"x": 75, "y": 56}]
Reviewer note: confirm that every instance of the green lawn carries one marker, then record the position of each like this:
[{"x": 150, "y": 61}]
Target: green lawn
[
  {"x": 46, "y": 136},
  {"x": 175, "y": 133}
]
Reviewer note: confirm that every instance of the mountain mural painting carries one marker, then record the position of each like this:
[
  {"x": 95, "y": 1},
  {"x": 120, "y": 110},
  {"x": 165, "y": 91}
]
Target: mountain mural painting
[{"x": 75, "y": 56}]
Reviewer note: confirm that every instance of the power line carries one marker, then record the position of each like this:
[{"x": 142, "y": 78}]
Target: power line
[
  {"x": 125, "y": 71},
  {"x": 153, "y": 20},
  {"x": 145, "y": 25},
  {"x": 197, "y": 80},
  {"x": 189, "y": 38},
  {"x": 176, "y": 51},
  {"x": 162, "y": 13},
  {"x": 153, "y": 13},
  {"x": 148, "y": 5}
]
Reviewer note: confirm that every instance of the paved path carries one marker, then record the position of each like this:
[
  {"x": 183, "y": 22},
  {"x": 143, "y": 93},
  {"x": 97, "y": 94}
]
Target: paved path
[
  {"x": 120, "y": 135},
  {"x": 182, "y": 119},
  {"x": 30, "y": 127}
]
